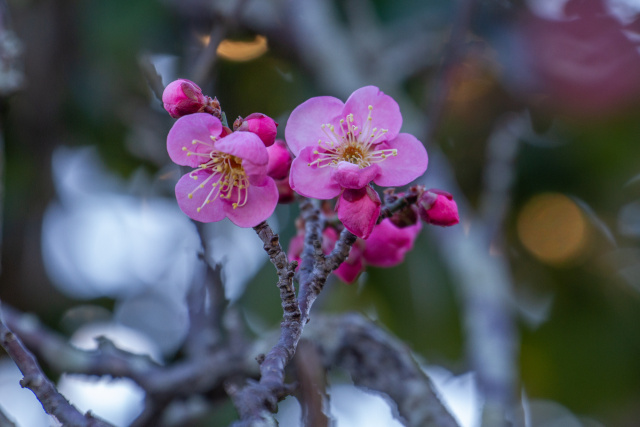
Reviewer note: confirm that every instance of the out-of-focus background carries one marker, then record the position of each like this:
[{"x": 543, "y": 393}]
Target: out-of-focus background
[{"x": 530, "y": 111}]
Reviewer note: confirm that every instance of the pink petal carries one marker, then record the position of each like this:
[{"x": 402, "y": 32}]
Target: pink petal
[
  {"x": 256, "y": 174},
  {"x": 409, "y": 164},
  {"x": 194, "y": 127},
  {"x": 349, "y": 270},
  {"x": 304, "y": 127},
  {"x": 261, "y": 202},
  {"x": 359, "y": 210},
  {"x": 388, "y": 244},
  {"x": 385, "y": 113},
  {"x": 211, "y": 212},
  {"x": 245, "y": 145},
  {"x": 279, "y": 160},
  {"x": 312, "y": 181},
  {"x": 348, "y": 175}
]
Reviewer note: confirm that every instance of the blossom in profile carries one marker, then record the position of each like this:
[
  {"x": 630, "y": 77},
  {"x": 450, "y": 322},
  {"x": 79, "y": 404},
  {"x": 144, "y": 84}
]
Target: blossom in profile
[
  {"x": 342, "y": 147},
  {"x": 260, "y": 124},
  {"x": 388, "y": 243},
  {"x": 183, "y": 97},
  {"x": 437, "y": 207},
  {"x": 230, "y": 177}
]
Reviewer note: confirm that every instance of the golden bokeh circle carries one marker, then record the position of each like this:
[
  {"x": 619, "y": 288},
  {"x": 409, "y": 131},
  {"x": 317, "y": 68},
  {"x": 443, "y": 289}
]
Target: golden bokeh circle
[{"x": 552, "y": 228}]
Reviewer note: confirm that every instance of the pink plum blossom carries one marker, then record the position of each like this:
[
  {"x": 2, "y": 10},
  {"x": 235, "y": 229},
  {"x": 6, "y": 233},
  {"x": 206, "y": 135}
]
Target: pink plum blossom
[
  {"x": 230, "y": 179},
  {"x": 437, "y": 207},
  {"x": 183, "y": 97},
  {"x": 344, "y": 146},
  {"x": 278, "y": 169},
  {"x": 385, "y": 247},
  {"x": 388, "y": 243},
  {"x": 260, "y": 124},
  {"x": 279, "y": 160}
]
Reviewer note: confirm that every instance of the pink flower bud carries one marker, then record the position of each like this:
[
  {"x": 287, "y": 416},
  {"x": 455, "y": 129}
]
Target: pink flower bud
[
  {"x": 260, "y": 124},
  {"x": 437, "y": 207},
  {"x": 182, "y": 97},
  {"x": 279, "y": 160},
  {"x": 285, "y": 193}
]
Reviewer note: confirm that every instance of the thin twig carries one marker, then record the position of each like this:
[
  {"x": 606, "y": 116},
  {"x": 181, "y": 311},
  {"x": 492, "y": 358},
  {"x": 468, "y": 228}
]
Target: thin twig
[
  {"x": 256, "y": 401},
  {"x": 180, "y": 378},
  {"x": 35, "y": 380}
]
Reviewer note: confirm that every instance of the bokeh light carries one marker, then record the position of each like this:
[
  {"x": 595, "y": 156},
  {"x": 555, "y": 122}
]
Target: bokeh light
[
  {"x": 235, "y": 50},
  {"x": 552, "y": 228}
]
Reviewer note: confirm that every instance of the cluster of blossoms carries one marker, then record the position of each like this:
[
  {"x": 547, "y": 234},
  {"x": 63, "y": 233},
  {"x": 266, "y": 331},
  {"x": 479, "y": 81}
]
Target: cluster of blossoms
[
  {"x": 332, "y": 150},
  {"x": 386, "y": 246},
  {"x": 231, "y": 176}
]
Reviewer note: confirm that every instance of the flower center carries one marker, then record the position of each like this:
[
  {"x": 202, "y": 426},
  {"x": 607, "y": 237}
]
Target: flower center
[
  {"x": 351, "y": 144},
  {"x": 228, "y": 178}
]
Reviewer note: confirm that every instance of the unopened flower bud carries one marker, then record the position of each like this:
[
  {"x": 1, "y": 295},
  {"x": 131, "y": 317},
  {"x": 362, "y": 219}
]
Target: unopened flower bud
[
  {"x": 182, "y": 97},
  {"x": 285, "y": 193},
  {"x": 279, "y": 160},
  {"x": 437, "y": 207},
  {"x": 260, "y": 124}
]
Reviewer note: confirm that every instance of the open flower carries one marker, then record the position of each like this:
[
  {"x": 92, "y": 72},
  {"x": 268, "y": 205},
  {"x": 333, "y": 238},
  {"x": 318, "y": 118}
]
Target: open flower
[
  {"x": 230, "y": 179},
  {"x": 345, "y": 146}
]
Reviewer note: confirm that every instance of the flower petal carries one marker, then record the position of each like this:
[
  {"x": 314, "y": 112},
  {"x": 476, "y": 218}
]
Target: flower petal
[
  {"x": 351, "y": 268},
  {"x": 312, "y": 181},
  {"x": 304, "y": 127},
  {"x": 349, "y": 175},
  {"x": 245, "y": 145},
  {"x": 261, "y": 202},
  {"x": 194, "y": 127},
  {"x": 256, "y": 174},
  {"x": 359, "y": 210},
  {"x": 210, "y": 212},
  {"x": 388, "y": 244},
  {"x": 385, "y": 113},
  {"x": 409, "y": 164}
]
